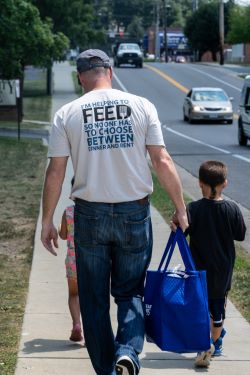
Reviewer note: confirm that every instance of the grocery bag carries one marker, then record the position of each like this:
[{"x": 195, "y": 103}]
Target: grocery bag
[{"x": 176, "y": 303}]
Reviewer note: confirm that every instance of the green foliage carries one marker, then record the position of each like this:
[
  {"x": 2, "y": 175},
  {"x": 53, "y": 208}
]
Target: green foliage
[
  {"x": 239, "y": 31},
  {"x": 202, "y": 28},
  {"x": 25, "y": 39},
  {"x": 135, "y": 29},
  {"x": 124, "y": 11},
  {"x": 77, "y": 19}
]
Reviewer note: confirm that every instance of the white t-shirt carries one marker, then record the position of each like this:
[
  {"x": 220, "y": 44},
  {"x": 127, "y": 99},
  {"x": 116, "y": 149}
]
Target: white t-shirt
[{"x": 106, "y": 132}]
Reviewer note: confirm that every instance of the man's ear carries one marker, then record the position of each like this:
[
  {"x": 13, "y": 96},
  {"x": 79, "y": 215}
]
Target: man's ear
[{"x": 225, "y": 184}]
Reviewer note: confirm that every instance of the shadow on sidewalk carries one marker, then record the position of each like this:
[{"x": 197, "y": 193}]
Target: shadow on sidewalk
[
  {"x": 167, "y": 360},
  {"x": 50, "y": 345}
]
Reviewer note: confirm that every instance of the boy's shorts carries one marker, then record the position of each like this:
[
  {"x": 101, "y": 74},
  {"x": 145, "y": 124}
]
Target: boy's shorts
[{"x": 217, "y": 310}]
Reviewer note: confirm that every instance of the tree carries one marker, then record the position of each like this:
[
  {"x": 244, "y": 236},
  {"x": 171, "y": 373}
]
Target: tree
[
  {"x": 239, "y": 29},
  {"x": 26, "y": 40},
  {"x": 202, "y": 29},
  {"x": 135, "y": 29},
  {"x": 124, "y": 11},
  {"x": 77, "y": 19}
]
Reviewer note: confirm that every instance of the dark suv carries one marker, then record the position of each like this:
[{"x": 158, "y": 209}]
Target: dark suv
[
  {"x": 128, "y": 53},
  {"x": 244, "y": 113}
]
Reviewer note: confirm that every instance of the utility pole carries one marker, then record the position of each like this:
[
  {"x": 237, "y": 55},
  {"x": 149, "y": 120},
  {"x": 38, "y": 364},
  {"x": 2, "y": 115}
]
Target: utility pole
[
  {"x": 221, "y": 27},
  {"x": 165, "y": 30},
  {"x": 157, "y": 41},
  {"x": 195, "y": 8}
]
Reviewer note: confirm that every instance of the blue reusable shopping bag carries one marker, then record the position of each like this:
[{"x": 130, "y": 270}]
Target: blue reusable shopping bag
[{"x": 177, "y": 317}]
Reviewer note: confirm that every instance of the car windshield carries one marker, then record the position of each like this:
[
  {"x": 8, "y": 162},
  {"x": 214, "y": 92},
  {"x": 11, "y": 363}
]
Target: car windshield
[
  {"x": 209, "y": 96},
  {"x": 129, "y": 46}
]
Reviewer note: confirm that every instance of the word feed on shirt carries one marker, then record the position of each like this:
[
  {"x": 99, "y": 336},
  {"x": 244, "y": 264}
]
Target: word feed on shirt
[{"x": 107, "y": 125}]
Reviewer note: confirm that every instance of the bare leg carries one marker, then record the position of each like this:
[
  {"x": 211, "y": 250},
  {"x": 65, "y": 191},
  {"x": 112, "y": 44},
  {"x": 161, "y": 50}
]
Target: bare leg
[
  {"x": 74, "y": 309},
  {"x": 73, "y": 301},
  {"x": 216, "y": 332}
]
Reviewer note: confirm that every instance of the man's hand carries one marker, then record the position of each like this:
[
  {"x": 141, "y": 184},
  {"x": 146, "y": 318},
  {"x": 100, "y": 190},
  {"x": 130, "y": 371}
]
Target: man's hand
[
  {"x": 49, "y": 237},
  {"x": 179, "y": 219}
]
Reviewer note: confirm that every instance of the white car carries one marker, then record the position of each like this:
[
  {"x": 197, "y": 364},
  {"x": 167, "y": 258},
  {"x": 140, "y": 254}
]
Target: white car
[{"x": 207, "y": 103}]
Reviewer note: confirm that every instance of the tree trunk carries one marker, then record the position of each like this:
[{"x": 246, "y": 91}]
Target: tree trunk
[
  {"x": 21, "y": 93},
  {"x": 49, "y": 80},
  {"x": 214, "y": 56}
]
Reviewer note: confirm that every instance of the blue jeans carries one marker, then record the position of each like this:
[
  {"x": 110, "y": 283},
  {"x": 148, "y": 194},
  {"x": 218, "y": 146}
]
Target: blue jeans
[{"x": 113, "y": 249}]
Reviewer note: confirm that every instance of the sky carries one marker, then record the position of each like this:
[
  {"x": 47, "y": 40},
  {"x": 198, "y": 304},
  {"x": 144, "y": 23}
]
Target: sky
[{"x": 243, "y": 2}]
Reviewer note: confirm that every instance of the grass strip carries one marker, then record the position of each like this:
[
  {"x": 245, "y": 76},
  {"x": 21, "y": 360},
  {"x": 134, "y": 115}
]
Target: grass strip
[
  {"x": 21, "y": 177},
  {"x": 239, "y": 293}
]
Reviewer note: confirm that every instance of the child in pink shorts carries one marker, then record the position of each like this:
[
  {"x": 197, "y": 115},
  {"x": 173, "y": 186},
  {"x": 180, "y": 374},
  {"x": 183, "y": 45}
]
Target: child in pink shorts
[{"x": 66, "y": 232}]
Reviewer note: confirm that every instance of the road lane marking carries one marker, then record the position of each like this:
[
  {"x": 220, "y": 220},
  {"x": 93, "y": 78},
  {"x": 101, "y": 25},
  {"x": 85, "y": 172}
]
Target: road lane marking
[
  {"x": 183, "y": 88},
  {"x": 119, "y": 82},
  {"x": 215, "y": 78},
  {"x": 241, "y": 158},
  {"x": 168, "y": 78},
  {"x": 182, "y": 135},
  {"x": 196, "y": 140},
  {"x": 206, "y": 144}
]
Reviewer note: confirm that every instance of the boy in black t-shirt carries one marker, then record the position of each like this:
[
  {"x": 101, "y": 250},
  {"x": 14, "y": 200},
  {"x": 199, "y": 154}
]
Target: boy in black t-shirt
[{"x": 214, "y": 225}]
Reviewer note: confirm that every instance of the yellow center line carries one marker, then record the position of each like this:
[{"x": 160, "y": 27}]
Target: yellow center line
[
  {"x": 168, "y": 78},
  {"x": 175, "y": 83}
]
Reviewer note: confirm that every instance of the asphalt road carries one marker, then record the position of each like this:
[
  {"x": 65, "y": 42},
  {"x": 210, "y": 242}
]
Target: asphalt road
[{"x": 190, "y": 144}]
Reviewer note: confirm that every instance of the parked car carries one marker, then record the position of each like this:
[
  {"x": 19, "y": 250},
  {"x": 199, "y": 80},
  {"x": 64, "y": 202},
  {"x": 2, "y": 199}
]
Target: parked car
[
  {"x": 180, "y": 59},
  {"x": 129, "y": 53},
  {"x": 207, "y": 103},
  {"x": 244, "y": 113}
]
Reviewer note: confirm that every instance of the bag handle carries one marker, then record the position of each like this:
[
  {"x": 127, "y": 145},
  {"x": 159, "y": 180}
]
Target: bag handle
[
  {"x": 169, "y": 248},
  {"x": 185, "y": 251}
]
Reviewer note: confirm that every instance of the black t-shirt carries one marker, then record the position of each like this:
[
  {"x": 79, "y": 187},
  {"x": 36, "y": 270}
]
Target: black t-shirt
[{"x": 214, "y": 225}]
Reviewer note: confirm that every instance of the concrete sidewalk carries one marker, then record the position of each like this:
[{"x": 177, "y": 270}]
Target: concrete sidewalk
[{"x": 45, "y": 348}]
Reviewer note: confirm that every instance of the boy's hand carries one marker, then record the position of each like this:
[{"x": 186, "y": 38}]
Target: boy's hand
[{"x": 49, "y": 237}]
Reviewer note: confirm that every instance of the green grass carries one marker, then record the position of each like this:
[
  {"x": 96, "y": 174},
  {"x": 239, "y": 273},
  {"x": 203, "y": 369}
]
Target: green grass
[
  {"x": 239, "y": 293},
  {"x": 21, "y": 176},
  {"x": 161, "y": 201}
]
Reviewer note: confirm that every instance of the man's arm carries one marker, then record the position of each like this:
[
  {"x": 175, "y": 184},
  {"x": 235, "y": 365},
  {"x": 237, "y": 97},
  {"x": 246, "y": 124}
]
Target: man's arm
[
  {"x": 169, "y": 179},
  {"x": 51, "y": 193}
]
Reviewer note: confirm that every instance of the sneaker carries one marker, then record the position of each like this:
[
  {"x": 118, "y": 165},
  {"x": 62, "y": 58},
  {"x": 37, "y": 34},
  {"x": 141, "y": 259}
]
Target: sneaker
[
  {"x": 218, "y": 344},
  {"x": 203, "y": 358},
  {"x": 125, "y": 366},
  {"x": 76, "y": 333}
]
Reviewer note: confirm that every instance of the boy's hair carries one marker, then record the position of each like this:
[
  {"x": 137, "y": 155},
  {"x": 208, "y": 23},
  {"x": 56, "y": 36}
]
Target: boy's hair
[{"x": 213, "y": 173}]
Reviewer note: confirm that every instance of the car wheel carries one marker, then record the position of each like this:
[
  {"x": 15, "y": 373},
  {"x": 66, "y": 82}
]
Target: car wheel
[
  {"x": 241, "y": 136},
  {"x": 185, "y": 118},
  {"x": 190, "y": 119},
  {"x": 229, "y": 122},
  {"x": 141, "y": 65}
]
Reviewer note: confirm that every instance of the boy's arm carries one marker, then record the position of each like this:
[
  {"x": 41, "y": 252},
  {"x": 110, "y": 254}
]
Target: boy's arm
[
  {"x": 240, "y": 228},
  {"x": 62, "y": 230}
]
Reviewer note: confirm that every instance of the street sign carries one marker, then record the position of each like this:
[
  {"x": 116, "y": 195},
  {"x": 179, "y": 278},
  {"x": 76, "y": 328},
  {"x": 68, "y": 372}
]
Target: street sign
[
  {"x": 8, "y": 92},
  {"x": 10, "y": 101}
]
